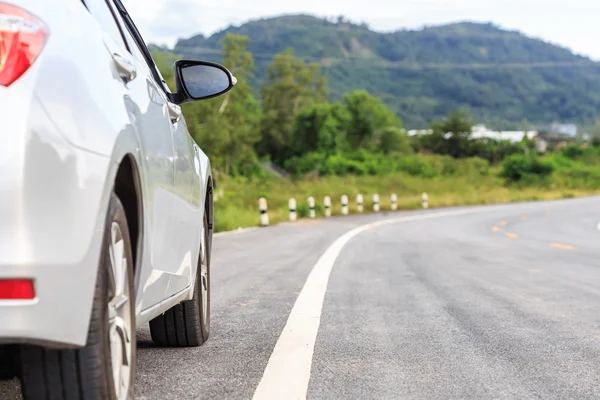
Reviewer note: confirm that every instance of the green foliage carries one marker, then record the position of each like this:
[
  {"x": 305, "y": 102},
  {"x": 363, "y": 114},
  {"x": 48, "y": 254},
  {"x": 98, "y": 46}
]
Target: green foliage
[
  {"x": 340, "y": 165},
  {"x": 394, "y": 140},
  {"x": 572, "y": 151},
  {"x": 452, "y": 136},
  {"x": 521, "y": 167},
  {"x": 503, "y": 76},
  {"x": 164, "y": 61},
  {"x": 363, "y": 162},
  {"x": 596, "y": 136},
  {"x": 494, "y": 150},
  {"x": 225, "y": 127},
  {"x": 321, "y": 127},
  {"x": 474, "y": 166},
  {"x": 290, "y": 86},
  {"x": 358, "y": 136},
  {"x": 579, "y": 176},
  {"x": 368, "y": 117},
  {"x": 309, "y": 162}
]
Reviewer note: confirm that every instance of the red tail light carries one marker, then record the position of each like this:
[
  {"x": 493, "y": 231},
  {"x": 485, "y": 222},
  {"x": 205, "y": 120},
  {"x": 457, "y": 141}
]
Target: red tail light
[
  {"x": 22, "y": 37},
  {"x": 16, "y": 289}
]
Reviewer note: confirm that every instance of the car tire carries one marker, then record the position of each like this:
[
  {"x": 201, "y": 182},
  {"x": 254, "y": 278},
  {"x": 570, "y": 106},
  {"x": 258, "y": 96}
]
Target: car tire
[
  {"x": 90, "y": 373},
  {"x": 188, "y": 323},
  {"x": 8, "y": 363}
]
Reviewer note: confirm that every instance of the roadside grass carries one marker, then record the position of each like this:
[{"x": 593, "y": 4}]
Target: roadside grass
[{"x": 238, "y": 205}]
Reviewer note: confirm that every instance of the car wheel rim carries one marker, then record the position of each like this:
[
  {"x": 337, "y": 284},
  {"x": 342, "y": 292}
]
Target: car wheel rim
[
  {"x": 119, "y": 313},
  {"x": 204, "y": 278}
]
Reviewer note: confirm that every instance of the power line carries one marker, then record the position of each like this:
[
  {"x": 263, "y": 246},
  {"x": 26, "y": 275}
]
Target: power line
[{"x": 379, "y": 63}]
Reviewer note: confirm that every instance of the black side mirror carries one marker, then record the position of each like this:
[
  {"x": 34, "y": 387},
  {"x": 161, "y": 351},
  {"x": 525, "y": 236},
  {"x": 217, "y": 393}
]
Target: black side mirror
[{"x": 197, "y": 80}]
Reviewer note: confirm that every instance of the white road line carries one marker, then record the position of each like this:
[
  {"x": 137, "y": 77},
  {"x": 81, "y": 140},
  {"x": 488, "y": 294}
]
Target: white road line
[
  {"x": 598, "y": 226},
  {"x": 288, "y": 371}
]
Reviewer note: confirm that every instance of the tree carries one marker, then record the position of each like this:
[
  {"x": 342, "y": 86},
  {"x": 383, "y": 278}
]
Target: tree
[
  {"x": 164, "y": 61},
  {"x": 291, "y": 85},
  {"x": 320, "y": 128},
  {"x": 228, "y": 125},
  {"x": 451, "y": 135},
  {"x": 368, "y": 117},
  {"x": 596, "y": 137},
  {"x": 394, "y": 140}
]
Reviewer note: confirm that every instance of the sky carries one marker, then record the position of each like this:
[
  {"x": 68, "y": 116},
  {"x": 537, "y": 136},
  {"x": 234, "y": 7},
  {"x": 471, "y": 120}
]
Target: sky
[{"x": 573, "y": 24}]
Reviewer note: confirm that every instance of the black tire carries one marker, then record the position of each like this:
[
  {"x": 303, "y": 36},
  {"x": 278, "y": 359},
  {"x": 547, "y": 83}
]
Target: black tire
[
  {"x": 8, "y": 361},
  {"x": 84, "y": 373},
  {"x": 184, "y": 325}
]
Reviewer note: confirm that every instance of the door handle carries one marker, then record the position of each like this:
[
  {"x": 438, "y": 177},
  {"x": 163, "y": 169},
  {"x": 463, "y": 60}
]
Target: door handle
[
  {"x": 126, "y": 69},
  {"x": 174, "y": 112}
]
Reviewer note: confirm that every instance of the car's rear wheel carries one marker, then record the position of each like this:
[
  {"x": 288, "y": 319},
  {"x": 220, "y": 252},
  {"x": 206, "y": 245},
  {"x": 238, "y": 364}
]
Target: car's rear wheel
[
  {"x": 105, "y": 367},
  {"x": 188, "y": 323}
]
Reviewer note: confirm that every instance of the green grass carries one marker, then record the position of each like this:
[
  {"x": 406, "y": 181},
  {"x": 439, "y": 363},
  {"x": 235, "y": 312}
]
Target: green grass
[{"x": 238, "y": 205}]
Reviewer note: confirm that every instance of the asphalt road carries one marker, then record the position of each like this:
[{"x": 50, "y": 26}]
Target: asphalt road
[{"x": 480, "y": 302}]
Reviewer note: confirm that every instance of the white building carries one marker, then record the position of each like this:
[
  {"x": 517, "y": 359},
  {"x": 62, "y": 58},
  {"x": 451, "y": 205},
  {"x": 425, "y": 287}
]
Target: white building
[{"x": 480, "y": 131}]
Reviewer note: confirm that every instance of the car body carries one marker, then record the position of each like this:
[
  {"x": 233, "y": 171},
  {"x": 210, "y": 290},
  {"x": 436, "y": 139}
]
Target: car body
[{"x": 90, "y": 117}]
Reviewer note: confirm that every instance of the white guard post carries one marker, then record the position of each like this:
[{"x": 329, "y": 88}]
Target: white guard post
[
  {"x": 264, "y": 214},
  {"x": 311, "y": 207},
  {"x": 344, "y": 205},
  {"x": 292, "y": 206},
  {"x": 327, "y": 205},
  {"x": 376, "y": 202},
  {"x": 394, "y": 200},
  {"x": 425, "y": 199},
  {"x": 359, "y": 203}
]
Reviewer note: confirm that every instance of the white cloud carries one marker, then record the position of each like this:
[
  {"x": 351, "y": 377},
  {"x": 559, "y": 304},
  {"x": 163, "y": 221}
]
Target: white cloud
[{"x": 573, "y": 25}]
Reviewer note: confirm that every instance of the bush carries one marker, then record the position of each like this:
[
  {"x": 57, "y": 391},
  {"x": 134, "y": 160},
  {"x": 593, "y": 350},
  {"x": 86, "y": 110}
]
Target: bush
[
  {"x": 444, "y": 165},
  {"x": 394, "y": 140},
  {"x": 340, "y": 165},
  {"x": 474, "y": 165},
  {"x": 417, "y": 165},
  {"x": 307, "y": 163},
  {"x": 572, "y": 151},
  {"x": 580, "y": 176},
  {"x": 518, "y": 166}
]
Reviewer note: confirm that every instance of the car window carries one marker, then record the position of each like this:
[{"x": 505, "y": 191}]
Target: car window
[
  {"x": 141, "y": 45},
  {"x": 102, "y": 13}
]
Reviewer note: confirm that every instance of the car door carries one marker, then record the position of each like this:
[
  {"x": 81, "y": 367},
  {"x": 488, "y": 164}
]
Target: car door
[
  {"x": 187, "y": 217},
  {"x": 149, "y": 115},
  {"x": 172, "y": 257}
]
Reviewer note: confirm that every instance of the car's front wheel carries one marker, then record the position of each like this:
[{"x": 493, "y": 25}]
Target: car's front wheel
[{"x": 105, "y": 367}]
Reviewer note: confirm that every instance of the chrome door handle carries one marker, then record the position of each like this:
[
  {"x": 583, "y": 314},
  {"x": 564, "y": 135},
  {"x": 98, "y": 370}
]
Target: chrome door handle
[
  {"x": 174, "y": 112},
  {"x": 126, "y": 69}
]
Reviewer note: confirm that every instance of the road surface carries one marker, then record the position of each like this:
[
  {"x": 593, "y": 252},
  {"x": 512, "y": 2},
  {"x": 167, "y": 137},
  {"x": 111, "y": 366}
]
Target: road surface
[{"x": 478, "y": 302}]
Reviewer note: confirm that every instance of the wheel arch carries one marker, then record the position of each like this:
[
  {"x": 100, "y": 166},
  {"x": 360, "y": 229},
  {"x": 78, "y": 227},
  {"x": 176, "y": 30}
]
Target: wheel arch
[
  {"x": 209, "y": 204},
  {"x": 127, "y": 187}
]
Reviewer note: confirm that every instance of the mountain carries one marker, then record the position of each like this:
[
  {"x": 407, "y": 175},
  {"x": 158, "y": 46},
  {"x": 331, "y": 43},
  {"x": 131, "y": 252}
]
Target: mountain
[{"x": 504, "y": 77}]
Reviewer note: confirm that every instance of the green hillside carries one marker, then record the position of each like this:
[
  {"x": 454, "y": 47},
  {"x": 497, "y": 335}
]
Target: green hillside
[{"x": 503, "y": 77}]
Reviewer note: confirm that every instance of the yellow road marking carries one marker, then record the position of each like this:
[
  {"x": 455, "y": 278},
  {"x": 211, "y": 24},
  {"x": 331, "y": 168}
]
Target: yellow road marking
[
  {"x": 495, "y": 228},
  {"x": 502, "y": 223},
  {"x": 248, "y": 303},
  {"x": 563, "y": 246},
  {"x": 524, "y": 217},
  {"x": 512, "y": 235}
]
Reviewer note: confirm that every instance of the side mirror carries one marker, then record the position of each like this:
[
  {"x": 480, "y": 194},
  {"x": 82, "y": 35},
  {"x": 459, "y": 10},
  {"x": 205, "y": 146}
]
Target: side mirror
[{"x": 197, "y": 80}]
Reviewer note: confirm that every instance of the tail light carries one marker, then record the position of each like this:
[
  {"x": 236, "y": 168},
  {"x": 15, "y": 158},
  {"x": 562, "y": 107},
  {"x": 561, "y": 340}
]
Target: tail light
[
  {"x": 16, "y": 289},
  {"x": 22, "y": 37}
]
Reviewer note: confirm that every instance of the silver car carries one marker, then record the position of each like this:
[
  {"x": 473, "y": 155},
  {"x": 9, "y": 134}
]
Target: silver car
[{"x": 106, "y": 210}]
